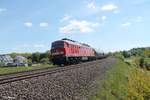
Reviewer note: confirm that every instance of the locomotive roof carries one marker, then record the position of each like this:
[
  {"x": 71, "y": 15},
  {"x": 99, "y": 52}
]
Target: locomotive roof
[{"x": 75, "y": 42}]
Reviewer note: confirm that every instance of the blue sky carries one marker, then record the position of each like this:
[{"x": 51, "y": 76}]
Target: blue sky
[{"x": 108, "y": 25}]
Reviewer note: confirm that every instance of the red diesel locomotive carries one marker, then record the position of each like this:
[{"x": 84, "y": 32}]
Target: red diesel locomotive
[{"x": 67, "y": 51}]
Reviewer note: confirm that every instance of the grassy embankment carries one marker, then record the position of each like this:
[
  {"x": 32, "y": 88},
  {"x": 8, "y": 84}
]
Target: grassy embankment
[
  {"x": 5, "y": 70},
  {"x": 124, "y": 82}
]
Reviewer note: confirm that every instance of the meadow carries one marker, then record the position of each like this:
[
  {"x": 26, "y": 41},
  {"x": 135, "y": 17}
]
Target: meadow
[
  {"x": 124, "y": 81},
  {"x": 6, "y": 70}
]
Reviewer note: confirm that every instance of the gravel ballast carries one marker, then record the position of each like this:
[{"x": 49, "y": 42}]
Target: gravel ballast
[{"x": 75, "y": 84}]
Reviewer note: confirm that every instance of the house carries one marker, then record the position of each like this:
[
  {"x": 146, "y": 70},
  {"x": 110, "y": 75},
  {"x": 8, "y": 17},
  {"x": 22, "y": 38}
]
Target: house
[
  {"x": 20, "y": 61},
  {"x": 6, "y": 60}
]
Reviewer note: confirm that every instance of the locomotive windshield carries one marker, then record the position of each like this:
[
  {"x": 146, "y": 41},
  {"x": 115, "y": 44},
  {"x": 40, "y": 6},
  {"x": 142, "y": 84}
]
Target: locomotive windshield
[{"x": 59, "y": 44}]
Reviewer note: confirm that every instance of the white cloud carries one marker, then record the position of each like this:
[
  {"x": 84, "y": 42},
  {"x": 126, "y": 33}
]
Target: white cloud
[
  {"x": 28, "y": 24},
  {"x": 109, "y": 7},
  {"x": 126, "y": 24},
  {"x": 103, "y": 18},
  {"x": 3, "y": 10},
  {"x": 133, "y": 21},
  {"x": 95, "y": 24},
  {"x": 91, "y": 5},
  {"x": 65, "y": 18},
  {"x": 44, "y": 24},
  {"x": 81, "y": 26}
]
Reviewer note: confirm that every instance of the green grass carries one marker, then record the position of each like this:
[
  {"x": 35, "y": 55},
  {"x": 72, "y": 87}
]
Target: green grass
[
  {"x": 113, "y": 87},
  {"x": 5, "y": 70},
  {"x": 147, "y": 60},
  {"x": 133, "y": 61}
]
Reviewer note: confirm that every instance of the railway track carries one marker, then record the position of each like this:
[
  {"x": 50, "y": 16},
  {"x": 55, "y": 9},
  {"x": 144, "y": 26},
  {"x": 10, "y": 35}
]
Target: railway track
[
  {"x": 4, "y": 79},
  {"x": 12, "y": 73}
]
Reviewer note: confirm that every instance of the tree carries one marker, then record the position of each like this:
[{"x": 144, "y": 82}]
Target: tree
[
  {"x": 44, "y": 55},
  {"x": 13, "y": 55},
  {"x": 137, "y": 52},
  {"x": 126, "y": 54},
  {"x": 26, "y": 55},
  {"x": 36, "y": 57}
]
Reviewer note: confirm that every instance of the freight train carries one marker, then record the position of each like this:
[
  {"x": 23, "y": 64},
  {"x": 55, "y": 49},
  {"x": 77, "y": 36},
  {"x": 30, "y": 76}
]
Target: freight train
[{"x": 68, "y": 51}]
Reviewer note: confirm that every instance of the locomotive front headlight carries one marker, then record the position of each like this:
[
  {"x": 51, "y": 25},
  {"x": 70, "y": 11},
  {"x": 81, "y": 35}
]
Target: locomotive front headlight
[{"x": 57, "y": 53}]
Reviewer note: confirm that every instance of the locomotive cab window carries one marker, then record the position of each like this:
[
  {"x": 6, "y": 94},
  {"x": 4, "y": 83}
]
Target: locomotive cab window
[{"x": 58, "y": 45}]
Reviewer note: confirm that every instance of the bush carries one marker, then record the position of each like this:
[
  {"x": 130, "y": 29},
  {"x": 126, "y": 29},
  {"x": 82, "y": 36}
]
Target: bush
[
  {"x": 137, "y": 61},
  {"x": 138, "y": 85},
  {"x": 119, "y": 55},
  {"x": 29, "y": 62},
  {"x": 147, "y": 63},
  {"x": 142, "y": 62},
  {"x": 2, "y": 64},
  {"x": 44, "y": 60}
]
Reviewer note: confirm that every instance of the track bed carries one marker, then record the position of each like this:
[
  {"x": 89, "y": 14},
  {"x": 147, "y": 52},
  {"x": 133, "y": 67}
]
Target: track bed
[{"x": 75, "y": 82}]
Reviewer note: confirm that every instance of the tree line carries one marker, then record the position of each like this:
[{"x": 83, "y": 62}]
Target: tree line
[
  {"x": 141, "y": 56},
  {"x": 35, "y": 57}
]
